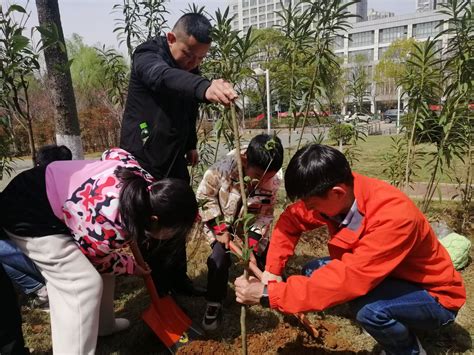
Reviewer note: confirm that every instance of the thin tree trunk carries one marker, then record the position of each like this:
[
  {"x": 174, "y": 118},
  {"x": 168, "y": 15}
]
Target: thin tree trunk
[
  {"x": 243, "y": 193},
  {"x": 59, "y": 74}
]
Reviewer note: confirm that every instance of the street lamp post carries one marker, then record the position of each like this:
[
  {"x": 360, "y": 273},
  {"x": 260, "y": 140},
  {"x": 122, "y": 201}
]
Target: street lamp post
[
  {"x": 266, "y": 72},
  {"x": 399, "y": 91}
]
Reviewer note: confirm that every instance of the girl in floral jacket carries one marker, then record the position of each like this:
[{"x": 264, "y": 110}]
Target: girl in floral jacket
[{"x": 73, "y": 217}]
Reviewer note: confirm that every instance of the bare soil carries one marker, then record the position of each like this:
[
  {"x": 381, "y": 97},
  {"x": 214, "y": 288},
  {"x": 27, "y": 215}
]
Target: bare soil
[{"x": 269, "y": 332}]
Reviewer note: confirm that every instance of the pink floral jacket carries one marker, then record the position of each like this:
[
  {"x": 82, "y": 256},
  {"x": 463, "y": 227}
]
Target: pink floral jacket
[{"x": 85, "y": 195}]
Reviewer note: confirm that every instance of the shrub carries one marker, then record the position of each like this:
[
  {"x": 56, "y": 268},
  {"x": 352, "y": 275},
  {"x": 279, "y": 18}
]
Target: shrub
[{"x": 342, "y": 131}]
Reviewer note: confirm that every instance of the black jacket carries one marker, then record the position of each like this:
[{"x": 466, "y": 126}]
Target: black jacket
[
  {"x": 25, "y": 209},
  {"x": 167, "y": 99}
]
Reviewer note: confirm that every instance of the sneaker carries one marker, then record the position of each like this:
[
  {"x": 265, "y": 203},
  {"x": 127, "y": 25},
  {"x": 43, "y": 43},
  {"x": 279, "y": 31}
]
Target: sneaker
[
  {"x": 40, "y": 303},
  {"x": 120, "y": 325},
  {"x": 213, "y": 316}
]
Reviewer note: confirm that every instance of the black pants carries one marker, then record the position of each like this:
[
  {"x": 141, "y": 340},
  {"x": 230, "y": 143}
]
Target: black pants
[
  {"x": 168, "y": 263},
  {"x": 218, "y": 264},
  {"x": 11, "y": 336}
]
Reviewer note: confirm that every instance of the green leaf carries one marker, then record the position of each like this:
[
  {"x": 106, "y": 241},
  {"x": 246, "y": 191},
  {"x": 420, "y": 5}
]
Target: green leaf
[
  {"x": 15, "y": 8},
  {"x": 19, "y": 43}
]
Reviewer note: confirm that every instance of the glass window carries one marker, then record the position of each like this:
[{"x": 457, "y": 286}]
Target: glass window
[
  {"x": 235, "y": 24},
  {"x": 261, "y": 9},
  {"x": 246, "y": 21},
  {"x": 269, "y": 23},
  {"x": 253, "y": 2},
  {"x": 245, "y": 13},
  {"x": 367, "y": 55},
  {"x": 235, "y": 7},
  {"x": 382, "y": 50},
  {"x": 270, "y": 7},
  {"x": 388, "y": 35},
  {"x": 261, "y": 18},
  {"x": 270, "y": 16},
  {"x": 245, "y": 4},
  {"x": 427, "y": 29},
  {"x": 277, "y": 6},
  {"x": 338, "y": 42},
  {"x": 245, "y": 29},
  {"x": 261, "y": 1},
  {"x": 253, "y": 19},
  {"x": 361, "y": 39},
  {"x": 253, "y": 11}
]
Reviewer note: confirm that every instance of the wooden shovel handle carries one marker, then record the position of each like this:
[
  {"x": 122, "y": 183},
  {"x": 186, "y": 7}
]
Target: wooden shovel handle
[
  {"x": 137, "y": 254},
  {"x": 310, "y": 328},
  {"x": 150, "y": 285}
]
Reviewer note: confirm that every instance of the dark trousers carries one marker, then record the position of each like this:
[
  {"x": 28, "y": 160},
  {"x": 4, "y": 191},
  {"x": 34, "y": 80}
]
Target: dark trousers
[
  {"x": 168, "y": 263},
  {"x": 393, "y": 310},
  {"x": 11, "y": 336},
  {"x": 218, "y": 264}
]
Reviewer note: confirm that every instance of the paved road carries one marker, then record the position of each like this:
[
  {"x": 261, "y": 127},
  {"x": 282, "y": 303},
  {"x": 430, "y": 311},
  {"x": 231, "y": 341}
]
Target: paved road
[{"x": 447, "y": 190}]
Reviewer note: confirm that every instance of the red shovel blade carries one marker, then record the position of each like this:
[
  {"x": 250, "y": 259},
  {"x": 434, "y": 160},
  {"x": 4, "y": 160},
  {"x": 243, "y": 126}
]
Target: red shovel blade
[
  {"x": 164, "y": 317},
  {"x": 170, "y": 323}
]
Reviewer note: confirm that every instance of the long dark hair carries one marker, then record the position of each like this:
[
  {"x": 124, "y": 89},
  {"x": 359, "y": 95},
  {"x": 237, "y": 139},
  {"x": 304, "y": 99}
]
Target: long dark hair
[{"x": 172, "y": 200}]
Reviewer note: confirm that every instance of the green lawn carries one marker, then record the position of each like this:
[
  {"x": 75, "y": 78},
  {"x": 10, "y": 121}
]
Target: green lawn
[{"x": 371, "y": 160}]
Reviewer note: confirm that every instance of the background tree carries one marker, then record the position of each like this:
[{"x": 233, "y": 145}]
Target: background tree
[
  {"x": 59, "y": 75},
  {"x": 391, "y": 68},
  {"x": 296, "y": 29},
  {"x": 453, "y": 127},
  {"x": 329, "y": 18},
  {"x": 358, "y": 84},
  {"x": 141, "y": 20},
  {"x": 18, "y": 62}
]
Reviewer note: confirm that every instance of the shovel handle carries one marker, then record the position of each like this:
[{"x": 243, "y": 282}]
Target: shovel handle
[
  {"x": 150, "y": 285},
  {"x": 310, "y": 328}
]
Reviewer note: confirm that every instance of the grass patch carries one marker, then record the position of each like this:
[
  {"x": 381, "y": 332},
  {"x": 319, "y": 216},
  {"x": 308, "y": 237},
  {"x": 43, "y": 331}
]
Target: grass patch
[{"x": 371, "y": 160}]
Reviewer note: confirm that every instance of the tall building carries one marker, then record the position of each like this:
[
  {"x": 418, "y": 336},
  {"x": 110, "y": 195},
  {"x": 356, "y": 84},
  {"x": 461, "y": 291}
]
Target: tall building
[
  {"x": 376, "y": 15},
  {"x": 428, "y": 5},
  {"x": 263, "y": 13},
  {"x": 368, "y": 39},
  {"x": 359, "y": 9}
]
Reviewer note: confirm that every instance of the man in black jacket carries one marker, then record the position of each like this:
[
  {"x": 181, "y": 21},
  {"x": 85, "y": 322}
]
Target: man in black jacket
[{"x": 159, "y": 122}]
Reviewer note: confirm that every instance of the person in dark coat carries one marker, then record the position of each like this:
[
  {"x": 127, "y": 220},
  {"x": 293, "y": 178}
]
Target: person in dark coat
[{"x": 159, "y": 121}]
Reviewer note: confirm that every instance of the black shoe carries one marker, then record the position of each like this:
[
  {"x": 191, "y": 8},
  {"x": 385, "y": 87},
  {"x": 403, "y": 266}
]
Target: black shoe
[
  {"x": 186, "y": 288},
  {"x": 212, "y": 316}
]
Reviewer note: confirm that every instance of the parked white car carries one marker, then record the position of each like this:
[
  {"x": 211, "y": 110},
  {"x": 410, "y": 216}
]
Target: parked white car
[{"x": 358, "y": 117}]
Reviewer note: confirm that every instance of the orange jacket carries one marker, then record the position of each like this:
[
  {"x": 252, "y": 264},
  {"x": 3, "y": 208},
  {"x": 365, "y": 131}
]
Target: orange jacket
[{"x": 393, "y": 239}]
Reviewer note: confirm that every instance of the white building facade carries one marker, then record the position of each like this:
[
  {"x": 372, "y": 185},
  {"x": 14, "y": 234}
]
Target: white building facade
[
  {"x": 369, "y": 39},
  {"x": 428, "y": 5},
  {"x": 263, "y": 13}
]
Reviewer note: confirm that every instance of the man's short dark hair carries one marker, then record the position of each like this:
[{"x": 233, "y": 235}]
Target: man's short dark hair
[
  {"x": 49, "y": 153},
  {"x": 265, "y": 152},
  {"x": 195, "y": 25},
  {"x": 314, "y": 170}
]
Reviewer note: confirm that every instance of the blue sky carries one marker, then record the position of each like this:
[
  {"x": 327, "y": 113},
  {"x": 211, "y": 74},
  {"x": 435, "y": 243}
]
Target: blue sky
[{"x": 94, "y": 21}]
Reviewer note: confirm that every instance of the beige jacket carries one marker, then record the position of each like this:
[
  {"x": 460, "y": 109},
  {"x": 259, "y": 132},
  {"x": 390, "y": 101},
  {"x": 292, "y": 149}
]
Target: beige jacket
[{"x": 220, "y": 192}]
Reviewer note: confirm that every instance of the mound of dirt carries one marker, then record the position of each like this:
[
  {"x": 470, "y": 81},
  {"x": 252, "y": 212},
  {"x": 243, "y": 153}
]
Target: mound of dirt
[{"x": 284, "y": 339}]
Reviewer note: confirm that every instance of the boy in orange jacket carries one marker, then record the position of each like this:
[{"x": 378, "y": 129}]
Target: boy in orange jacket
[{"x": 384, "y": 257}]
